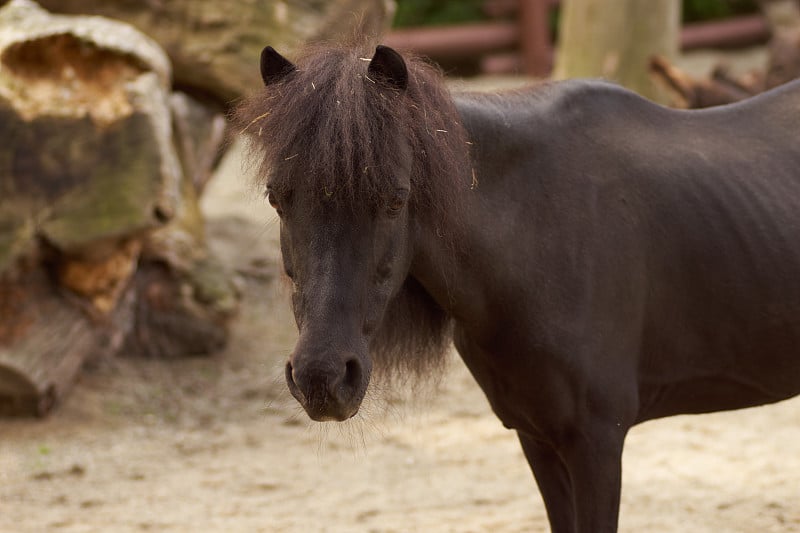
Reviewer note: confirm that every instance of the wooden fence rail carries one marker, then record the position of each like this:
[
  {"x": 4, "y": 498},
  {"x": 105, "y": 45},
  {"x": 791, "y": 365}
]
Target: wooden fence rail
[{"x": 519, "y": 37}]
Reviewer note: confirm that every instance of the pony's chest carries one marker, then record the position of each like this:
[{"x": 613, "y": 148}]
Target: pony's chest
[{"x": 506, "y": 379}]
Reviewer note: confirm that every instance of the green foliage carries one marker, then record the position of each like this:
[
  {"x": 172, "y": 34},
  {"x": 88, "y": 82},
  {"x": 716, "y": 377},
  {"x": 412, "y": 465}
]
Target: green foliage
[
  {"x": 699, "y": 10},
  {"x": 442, "y": 12},
  {"x": 437, "y": 12}
]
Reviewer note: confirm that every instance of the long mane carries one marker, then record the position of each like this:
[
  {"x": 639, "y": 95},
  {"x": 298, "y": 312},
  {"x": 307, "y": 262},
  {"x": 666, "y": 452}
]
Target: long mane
[{"x": 330, "y": 119}]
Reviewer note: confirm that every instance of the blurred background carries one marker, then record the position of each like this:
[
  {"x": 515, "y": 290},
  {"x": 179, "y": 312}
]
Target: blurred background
[
  {"x": 502, "y": 36},
  {"x": 144, "y": 319},
  {"x": 619, "y": 41}
]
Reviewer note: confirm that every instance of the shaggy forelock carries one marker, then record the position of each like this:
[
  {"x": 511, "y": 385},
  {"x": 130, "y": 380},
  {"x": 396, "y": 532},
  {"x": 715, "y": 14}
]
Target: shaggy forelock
[{"x": 330, "y": 129}]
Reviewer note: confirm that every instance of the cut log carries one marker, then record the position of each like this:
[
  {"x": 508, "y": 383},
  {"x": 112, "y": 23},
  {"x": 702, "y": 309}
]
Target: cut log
[
  {"x": 44, "y": 341},
  {"x": 214, "y": 46},
  {"x": 87, "y": 156},
  {"x": 180, "y": 314},
  {"x": 690, "y": 93}
]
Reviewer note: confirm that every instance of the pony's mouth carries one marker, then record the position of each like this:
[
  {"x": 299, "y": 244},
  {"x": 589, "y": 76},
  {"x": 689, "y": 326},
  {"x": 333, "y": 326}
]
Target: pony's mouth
[{"x": 325, "y": 400}]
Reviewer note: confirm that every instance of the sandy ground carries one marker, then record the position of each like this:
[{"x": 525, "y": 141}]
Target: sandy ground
[{"x": 217, "y": 444}]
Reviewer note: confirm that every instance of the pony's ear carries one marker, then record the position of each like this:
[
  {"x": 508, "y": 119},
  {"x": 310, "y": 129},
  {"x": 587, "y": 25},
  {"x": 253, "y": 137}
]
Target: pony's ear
[
  {"x": 274, "y": 66},
  {"x": 389, "y": 66}
]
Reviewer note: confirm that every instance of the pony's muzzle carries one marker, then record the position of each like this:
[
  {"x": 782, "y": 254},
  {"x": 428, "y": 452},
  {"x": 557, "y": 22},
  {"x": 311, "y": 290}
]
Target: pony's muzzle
[{"x": 328, "y": 388}]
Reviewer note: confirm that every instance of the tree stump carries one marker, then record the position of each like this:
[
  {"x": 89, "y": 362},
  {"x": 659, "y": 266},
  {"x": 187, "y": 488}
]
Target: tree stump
[{"x": 45, "y": 338}]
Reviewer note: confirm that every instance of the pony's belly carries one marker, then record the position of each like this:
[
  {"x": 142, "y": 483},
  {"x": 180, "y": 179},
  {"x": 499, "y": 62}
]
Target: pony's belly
[{"x": 709, "y": 394}]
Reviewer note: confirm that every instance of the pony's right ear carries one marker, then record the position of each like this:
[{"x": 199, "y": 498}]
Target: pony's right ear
[
  {"x": 389, "y": 66},
  {"x": 274, "y": 66}
]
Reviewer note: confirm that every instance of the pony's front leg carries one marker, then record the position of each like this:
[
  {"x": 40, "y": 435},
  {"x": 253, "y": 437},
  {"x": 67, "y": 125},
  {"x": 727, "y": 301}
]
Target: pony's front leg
[
  {"x": 554, "y": 482},
  {"x": 593, "y": 455}
]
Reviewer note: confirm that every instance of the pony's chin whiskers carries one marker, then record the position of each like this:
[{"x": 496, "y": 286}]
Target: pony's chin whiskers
[
  {"x": 373, "y": 422},
  {"x": 278, "y": 399},
  {"x": 337, "y": 437}
]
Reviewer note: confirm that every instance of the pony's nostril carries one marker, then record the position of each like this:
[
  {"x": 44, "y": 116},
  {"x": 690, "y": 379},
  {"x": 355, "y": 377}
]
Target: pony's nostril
[
  {"x": 289, "y": 371},
  {"x": 352, "y": 374}
]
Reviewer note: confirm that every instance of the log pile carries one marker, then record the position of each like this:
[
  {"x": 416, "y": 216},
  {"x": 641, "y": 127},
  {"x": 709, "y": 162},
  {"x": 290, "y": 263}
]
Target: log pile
[
  {"x": 722, "y": 87},
  {"x": 107, "y": 139}
]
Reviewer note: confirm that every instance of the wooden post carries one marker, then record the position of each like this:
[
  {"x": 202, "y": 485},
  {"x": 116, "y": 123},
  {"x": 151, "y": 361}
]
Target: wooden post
[{"x": 537, "y": 52}]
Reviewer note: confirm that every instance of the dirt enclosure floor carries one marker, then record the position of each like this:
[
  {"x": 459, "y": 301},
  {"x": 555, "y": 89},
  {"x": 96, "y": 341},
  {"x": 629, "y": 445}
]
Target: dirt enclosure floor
[{"x": 218, "y": 445}]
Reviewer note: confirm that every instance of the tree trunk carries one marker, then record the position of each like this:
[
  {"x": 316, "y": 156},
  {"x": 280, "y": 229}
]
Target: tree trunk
[{"x": 616, "y": 42}]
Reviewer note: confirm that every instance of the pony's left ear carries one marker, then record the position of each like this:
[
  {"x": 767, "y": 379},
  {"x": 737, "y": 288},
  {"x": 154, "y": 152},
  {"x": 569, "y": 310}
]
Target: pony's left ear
[
  {"x": 389, "y": 66},
  {"x": 274, "y": 66}
]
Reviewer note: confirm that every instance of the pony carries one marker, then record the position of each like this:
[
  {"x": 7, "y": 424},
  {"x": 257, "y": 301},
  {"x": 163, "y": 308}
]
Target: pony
[{"x": 596, "y": 259}]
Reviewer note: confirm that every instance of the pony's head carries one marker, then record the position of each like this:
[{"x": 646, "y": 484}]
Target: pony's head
[{"x": 359, "y": 155}]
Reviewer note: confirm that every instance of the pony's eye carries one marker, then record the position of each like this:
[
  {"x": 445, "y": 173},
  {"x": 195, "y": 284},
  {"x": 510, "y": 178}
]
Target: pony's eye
[
  {"x": 396, "y": 205},
  {"x": 397, "y": 202}
]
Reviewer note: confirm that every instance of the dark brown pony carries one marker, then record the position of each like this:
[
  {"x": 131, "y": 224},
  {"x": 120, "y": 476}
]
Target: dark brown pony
[{"x": 598, "y": 260}]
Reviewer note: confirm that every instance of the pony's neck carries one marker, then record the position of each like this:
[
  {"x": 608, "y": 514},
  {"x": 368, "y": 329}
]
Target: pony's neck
[
  {"x": 459, "y": 263},
  {"x": 448, "y": 264},
  {"x": 446, "y": 257}
]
